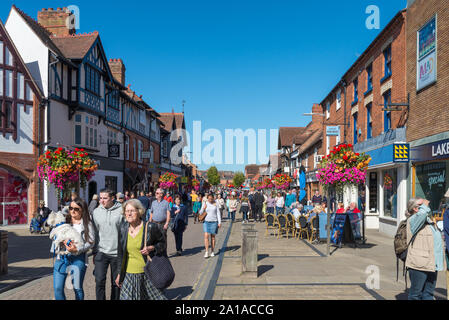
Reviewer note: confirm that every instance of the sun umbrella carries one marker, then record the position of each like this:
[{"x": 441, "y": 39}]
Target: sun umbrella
[{"x": 302, "y": 183}]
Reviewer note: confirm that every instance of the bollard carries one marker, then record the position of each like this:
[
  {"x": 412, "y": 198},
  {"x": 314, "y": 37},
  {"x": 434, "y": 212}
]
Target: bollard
[
  {"x": 249, "y": 250},
  {"x": 3, "y": 252}
]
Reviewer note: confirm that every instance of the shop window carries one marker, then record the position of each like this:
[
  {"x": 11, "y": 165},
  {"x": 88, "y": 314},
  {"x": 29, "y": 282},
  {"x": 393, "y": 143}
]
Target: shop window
[
  {"x": 390, "y": 186},
  {"x": 373, "y": 192},
  {"x": 431, "y": 183},
  {"x": 111, "y": 183}
]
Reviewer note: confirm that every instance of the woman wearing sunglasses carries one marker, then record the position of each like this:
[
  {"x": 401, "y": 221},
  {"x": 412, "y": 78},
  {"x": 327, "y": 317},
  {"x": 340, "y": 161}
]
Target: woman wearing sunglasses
[{"x": 75, "y": 263}]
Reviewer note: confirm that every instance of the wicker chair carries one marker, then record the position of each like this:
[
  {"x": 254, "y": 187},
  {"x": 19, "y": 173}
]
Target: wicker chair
[
  {"x": 283, "y": 224},
  {"x": 291, "y": 223},
  {"x": 314, "y": 225},
  {"x": 302, "y": 221},
  {"x": 271, "y": 223}
]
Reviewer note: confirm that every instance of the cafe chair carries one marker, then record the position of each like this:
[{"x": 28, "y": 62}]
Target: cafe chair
[
  {"x": 283, "y": 225},
  {"x": 302, "y": 221},
  {"x": 291, "y": 223},
  {"x": 314, "y": 225},
  {"x": 271, "y": 223}
]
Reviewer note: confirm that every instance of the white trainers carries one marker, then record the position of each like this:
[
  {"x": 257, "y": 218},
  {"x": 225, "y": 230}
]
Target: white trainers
[
  {"x": 212, "y": 254},
  {"x": 206, "y": 255}
]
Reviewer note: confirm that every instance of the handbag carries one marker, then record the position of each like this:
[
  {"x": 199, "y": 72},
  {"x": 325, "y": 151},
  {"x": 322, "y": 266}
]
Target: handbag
[
  {"x": 159, "y": 269},
  {"x": 202, "y": 216}
]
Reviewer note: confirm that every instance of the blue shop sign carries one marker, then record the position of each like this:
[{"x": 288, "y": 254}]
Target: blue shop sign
[{"x": 432, "y": 151}]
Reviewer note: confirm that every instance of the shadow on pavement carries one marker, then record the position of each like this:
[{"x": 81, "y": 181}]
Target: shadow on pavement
[
  {"x": 189, "y": 252},
  {"x": 262, "y": 269},
  {"x": 178, "y": 293},
  {"x": 233, "y": 248},
  {"x": 25, "y": 248}
]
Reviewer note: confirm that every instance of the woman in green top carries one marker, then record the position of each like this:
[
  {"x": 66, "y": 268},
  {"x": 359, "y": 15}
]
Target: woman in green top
[{"x": 133, "y": 250}]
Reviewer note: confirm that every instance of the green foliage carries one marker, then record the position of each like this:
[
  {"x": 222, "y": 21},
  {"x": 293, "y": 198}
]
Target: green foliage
[
  {"x": 212, "y": 176},
  {"x": 239, "y": 179}
]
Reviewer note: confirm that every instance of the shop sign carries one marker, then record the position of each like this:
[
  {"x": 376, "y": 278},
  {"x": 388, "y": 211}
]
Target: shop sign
[
  {"x": 401, "y": 152},
  {"x": 431, "y": 151},
  {"x": 426, "y": 54},
  {"x": 114, "y": 151},
  {"x": 333, "y": 131}
]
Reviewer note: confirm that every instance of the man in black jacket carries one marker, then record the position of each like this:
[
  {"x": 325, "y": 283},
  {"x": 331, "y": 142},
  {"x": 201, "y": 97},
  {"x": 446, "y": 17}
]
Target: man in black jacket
[{"x": 258, "y": 202}]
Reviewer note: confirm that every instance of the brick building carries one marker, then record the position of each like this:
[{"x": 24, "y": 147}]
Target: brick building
[
  {"x": 21, "y": 136},
  {"x": 354, "y": 112},
  {"x": 428, "y": 86}
]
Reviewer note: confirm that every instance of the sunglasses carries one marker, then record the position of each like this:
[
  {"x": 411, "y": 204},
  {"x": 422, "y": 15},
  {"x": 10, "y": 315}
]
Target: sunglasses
[{"x": 74, "y": 209}]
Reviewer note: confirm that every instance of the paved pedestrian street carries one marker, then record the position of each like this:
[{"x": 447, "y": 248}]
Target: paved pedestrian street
[{"x": 288, "y": 269}]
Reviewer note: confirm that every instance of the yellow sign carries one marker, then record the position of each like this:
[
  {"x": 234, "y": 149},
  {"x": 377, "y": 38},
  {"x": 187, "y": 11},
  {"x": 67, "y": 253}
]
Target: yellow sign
[{"x": 401, "y": 152}]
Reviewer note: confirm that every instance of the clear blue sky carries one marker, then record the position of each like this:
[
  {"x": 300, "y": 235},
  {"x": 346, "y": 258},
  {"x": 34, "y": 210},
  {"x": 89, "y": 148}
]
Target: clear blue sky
[{"x": 237, "y": 63}]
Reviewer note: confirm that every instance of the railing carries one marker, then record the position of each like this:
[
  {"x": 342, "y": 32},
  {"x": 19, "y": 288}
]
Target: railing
[{"x": 386, "y": 138}]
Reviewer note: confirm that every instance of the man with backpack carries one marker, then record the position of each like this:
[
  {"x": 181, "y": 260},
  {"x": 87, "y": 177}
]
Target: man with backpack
[{"x": 419, "y": 243}]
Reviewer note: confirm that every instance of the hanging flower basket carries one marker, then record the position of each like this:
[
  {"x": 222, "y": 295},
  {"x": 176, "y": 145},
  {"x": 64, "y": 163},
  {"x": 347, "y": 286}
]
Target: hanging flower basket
[
  {"x": 66, "y": 169},
  {"x": 282, "y": 181},
  {"x": 195, "y": 184},
  {"x": 168, "y": 181},
  {"x": 268, "y": 183},
  {"x": 343, "y": 167}
]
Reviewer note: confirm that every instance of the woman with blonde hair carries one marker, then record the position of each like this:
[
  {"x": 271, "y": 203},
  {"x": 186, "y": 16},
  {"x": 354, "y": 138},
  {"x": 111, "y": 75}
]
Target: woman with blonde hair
[{"x": 136, "y": 241}]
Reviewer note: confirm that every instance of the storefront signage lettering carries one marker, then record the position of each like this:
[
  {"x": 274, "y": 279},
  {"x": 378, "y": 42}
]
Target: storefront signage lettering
[
  {"x": 436, "y": 178},
  {"x": 432, "y": 151},
  {"x": 441, "y": 149}
]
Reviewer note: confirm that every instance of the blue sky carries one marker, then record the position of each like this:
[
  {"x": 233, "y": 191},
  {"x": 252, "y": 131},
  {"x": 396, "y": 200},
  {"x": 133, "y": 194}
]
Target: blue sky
[{"x": 237, "y": 63}]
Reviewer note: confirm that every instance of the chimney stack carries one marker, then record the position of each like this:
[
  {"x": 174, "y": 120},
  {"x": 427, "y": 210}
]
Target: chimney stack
[
  {"x": 118, "y": 70},
  {"x": 317, "y": 118},
  {"x": 60, "y": 22}
]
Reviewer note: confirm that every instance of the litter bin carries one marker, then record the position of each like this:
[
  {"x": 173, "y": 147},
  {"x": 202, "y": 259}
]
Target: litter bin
[{"x": 3, "y": 252}]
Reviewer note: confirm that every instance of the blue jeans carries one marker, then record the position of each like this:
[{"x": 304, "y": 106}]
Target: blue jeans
[
  {"x": 232, "y": 216},
  {"x": 76, "y": 266},
  {"x": 279, "y": 210},
  {"x": 245, "y": 213},
  {"x": 422, "y": 284}
]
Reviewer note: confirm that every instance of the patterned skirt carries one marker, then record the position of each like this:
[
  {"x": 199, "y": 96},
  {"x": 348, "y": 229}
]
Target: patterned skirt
[{"x": 136, "y": 286}]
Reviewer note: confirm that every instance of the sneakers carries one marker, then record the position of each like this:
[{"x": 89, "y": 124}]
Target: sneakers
[
  {"x": 206, "y": 255},
  {"x": 212, "y": 254}
]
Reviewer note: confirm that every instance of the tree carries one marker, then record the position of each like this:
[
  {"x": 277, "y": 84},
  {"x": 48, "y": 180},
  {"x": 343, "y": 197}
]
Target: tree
[
  {"x": 212, "y": 176},
  {"x": 238, "y": 180}
]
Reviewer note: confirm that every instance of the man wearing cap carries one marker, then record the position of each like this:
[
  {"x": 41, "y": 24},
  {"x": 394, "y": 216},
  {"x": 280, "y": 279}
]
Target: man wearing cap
[{"x": 120, "y": 197}]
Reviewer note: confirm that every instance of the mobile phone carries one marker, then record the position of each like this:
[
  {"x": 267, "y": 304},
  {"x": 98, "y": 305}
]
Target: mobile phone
[{"x": 69, "y": 242}]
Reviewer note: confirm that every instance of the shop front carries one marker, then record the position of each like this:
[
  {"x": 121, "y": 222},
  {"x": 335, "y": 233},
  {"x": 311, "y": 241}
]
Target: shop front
[
  {"x": 13, "y": 198},
  {"x": 386, "y": 181},
  {"x": 430, "y": 167}
]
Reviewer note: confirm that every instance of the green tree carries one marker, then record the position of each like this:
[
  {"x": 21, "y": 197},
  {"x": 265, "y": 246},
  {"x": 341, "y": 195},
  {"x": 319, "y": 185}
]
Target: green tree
[
  {"x": 238, "y": 180},
  {"x": 212, "y": 176}
]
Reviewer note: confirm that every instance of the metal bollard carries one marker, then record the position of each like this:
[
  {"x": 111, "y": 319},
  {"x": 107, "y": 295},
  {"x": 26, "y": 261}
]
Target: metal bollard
[
  {"x": 249, "y": 250},
  {"x": 3, "y": 252}
]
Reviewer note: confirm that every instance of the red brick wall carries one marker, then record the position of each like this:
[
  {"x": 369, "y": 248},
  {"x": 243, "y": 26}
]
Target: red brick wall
[
  {"x": 428, "y": 108},
  {"x": 396, "y": 33}
]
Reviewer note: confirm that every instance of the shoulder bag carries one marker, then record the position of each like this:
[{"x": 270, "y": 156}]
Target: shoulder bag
[
  {"x": 159, "y": 269},
  {"x": 202, "y": 216}
]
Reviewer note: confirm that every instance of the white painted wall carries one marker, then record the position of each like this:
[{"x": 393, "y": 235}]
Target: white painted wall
[
  {"x": 34, "y": 53},
  {"x": 61, "y": 129},
  {"x": 24, "y": 141}
]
